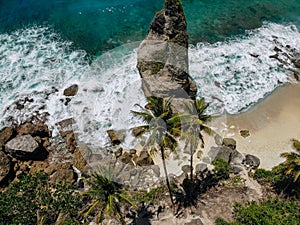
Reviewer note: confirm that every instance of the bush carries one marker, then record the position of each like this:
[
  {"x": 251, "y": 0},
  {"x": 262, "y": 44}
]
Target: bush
[
  {"x": 271, "y": 212},
  {"x": 23, "y": 201},
  {"x": 222, "y": 169}
]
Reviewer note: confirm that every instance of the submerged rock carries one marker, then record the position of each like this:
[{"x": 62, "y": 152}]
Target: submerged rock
[{"x": 163, "y": 55}]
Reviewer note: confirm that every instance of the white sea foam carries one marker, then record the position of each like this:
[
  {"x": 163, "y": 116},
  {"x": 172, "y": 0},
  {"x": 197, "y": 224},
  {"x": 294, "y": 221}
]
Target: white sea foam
[
  {"x": 35, "y": 60},
  {"x": 237, "y": 73}
]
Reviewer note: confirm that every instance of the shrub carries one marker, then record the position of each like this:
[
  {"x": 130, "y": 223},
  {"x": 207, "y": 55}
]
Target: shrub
[
  {"x": 24, "y": 200},
  {"x": 222, "y": 168},
  {"x": 271, "y": 212}
]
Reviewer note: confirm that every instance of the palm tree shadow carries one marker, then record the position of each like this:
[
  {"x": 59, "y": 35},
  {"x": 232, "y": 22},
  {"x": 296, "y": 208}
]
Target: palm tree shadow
[
  {"x": 143, "y": 215},
  {"x": 191, "y": 190}
]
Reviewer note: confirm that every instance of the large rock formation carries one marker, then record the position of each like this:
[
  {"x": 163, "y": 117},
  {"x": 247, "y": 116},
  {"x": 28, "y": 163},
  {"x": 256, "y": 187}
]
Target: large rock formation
[{"x": 163, "y": 55}]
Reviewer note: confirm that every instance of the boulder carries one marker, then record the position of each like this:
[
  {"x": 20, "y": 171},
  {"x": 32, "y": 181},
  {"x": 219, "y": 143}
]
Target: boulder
[
  {"x": 5, "y": 167},
  {"x": 71, "y": 91},
  {"x": 116, "y": 137},
  {"x": 252, "y": 161},
  {"x": 25, "y": 147},
  {"x": 137, "y": 131},
  {"x": 221, "y": 152},
  {"x": 5, "y": 135},
  {"x": 236, "y": 157},
  {"x": 126, "y": 158},
  {"x": 163, "y": 55},
  {"x": 229, "y": 142},
  {"x": 78, "y": 160},
  {"x": 34, "y": 129},
  {"x": 64, "y": 174},
  {"x": 144, "y": 159}
]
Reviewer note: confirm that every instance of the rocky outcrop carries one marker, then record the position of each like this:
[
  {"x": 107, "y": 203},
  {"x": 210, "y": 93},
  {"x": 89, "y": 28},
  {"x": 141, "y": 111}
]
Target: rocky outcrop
[
  {"x": 5, "y": 134},
  {"x": 163, "y": 55},
  {"x": 25, "y": 147}
]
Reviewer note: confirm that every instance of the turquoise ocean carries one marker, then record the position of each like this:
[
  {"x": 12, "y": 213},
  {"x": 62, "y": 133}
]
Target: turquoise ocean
[{"x": 50, "y": 45}]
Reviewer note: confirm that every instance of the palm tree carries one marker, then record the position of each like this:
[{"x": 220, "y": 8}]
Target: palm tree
[
  {"x": 108, "y": 195},
  {"x": 292, "y": 163},
  {"x": 156, "y": 115},
  {"x": 190, "y": 125}
]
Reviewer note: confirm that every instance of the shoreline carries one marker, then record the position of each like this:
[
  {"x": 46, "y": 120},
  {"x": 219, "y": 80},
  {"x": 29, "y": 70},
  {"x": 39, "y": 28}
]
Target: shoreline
[{"x": 272, "y": 123}]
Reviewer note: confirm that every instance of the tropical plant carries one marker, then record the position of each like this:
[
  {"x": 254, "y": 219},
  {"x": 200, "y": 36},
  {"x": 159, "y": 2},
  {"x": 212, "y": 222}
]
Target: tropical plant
[
  {"x": 108, "y": 195},
  {"x": 157, "y": 115},
  {"x": 292, "y": 163},
  {"x": 190, "y": 125},
  {"x": 270, "y": 212}
]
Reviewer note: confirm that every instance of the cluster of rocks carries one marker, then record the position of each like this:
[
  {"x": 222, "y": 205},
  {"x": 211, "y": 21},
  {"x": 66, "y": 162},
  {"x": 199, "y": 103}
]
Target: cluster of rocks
[{"x": 30, "y": 148}]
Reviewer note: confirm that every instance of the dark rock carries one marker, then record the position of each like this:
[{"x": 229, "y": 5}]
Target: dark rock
[
  {"x": 5, "y": 135},
  {"x": 34, "y": 129},
  {"x": 25, "y": 147},
  {"x": 71, "y": 91},
  {"x": 116, "y": 137},
  {"x": 137, "y": 131},
  {"x": 245, "y": 133},
  {"x": 5, "y": 167},
  {"x": 144, "y": 159},
  {"x": 126, "y": 158},
  {"x": 229, "y": 142},
  {"x": 78, "y": 160},
  {"x": 252, "y": 161}
]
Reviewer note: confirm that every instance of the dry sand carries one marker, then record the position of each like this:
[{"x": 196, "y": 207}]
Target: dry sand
[{"x": 272, "y": 124}]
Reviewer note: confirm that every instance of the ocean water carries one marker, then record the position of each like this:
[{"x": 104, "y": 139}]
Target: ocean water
[{"x": 48, "y": 45}]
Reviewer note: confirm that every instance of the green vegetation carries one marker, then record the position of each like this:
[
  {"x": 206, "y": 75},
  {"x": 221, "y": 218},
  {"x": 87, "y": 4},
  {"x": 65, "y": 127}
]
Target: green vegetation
[
  {"x": 108, "y": 196},
  {"x": 222, "y": 169},
  {"x": 32, "y": 200},
  {"x": 158, "y": 118},
  {"x": 155, "y": 195},
  {"x": 157, "y": 67},
  {"x": 271, "y": 212}
]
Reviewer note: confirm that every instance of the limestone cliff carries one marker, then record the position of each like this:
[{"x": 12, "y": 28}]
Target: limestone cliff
[{"x": 163, "y": 55}]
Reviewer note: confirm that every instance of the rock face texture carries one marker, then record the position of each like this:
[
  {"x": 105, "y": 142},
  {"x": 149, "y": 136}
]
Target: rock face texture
[
  {"x": 163, "y": 55},
  {"x": 25, "y": 147},
  {"x": 5, "y": 166}
]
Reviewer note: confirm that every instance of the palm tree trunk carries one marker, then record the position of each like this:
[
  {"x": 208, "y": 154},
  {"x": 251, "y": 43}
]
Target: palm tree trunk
[
  {"x": 166, "y": 176},
  {"x": 191, "y": 163}
]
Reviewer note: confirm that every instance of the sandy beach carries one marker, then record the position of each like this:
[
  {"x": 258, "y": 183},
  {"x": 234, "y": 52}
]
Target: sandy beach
[{"x": 272, "y": 124}]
